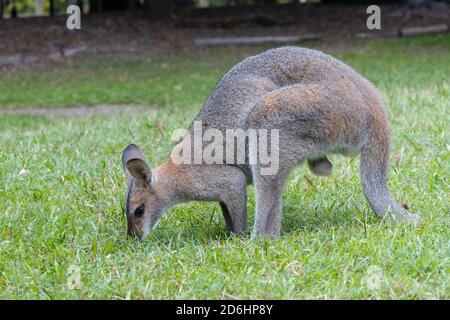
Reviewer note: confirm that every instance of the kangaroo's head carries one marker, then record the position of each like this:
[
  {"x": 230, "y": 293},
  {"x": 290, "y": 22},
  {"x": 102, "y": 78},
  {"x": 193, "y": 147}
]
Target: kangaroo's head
[{"x": 144, "y": 204}]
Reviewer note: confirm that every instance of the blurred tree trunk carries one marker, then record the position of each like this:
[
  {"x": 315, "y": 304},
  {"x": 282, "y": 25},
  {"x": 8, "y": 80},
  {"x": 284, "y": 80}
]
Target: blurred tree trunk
[
  {"x": 113, "y": 5},
  {"x": 52, "y": 8},
  {"x": 1, "y": 9},
  {"x": 14, "y": 11},
  {"x": 78, "y": 3},
  {"x": 133, "y": 4},
  {"x": 95, "y": 6},
  {"x": 159, "y": 9}
]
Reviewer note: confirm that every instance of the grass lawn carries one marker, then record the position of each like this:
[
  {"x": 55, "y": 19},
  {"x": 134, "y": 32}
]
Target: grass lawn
[{"x": 62, "y": 229}]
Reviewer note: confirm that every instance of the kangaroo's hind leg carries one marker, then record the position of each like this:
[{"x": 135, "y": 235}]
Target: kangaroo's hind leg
[
  {"x": 284, "y": 111},
  {"x": 269, "y": 192},
  {"x": 268, "y": 211}
]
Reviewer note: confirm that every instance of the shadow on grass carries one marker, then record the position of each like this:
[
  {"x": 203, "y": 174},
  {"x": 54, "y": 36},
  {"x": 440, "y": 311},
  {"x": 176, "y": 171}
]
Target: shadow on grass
[{"x": 208, "y": 230}]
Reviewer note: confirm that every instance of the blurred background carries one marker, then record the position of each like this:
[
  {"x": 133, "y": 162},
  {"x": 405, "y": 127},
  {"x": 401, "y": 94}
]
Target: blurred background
[{"x": 35, "y": 30}]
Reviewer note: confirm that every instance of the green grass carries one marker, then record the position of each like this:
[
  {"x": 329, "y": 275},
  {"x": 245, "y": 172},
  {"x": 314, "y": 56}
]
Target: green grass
[{"x": 62, "y": 189}]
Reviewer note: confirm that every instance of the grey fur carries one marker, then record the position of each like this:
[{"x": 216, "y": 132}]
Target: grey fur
[{"x": 319, "y": 104}]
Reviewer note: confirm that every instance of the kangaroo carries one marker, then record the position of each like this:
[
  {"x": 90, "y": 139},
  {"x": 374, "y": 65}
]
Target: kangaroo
[{"x": 319, "y": 105}]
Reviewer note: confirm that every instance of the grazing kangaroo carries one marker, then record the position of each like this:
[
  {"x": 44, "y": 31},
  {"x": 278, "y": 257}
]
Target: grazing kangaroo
[{"x": 318, "y": 104}]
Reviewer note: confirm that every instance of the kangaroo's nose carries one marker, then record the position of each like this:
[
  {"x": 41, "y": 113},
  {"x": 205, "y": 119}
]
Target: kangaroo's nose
[{"x": 130, "y": 231}]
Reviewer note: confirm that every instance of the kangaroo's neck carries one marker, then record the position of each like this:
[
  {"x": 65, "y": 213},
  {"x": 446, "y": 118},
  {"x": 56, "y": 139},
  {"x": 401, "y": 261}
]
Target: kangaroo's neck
[{"x": 169, "y": 185}]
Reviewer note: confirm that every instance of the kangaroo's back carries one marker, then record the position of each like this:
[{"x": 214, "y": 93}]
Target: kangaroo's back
[{"x": 242, "y": 86}]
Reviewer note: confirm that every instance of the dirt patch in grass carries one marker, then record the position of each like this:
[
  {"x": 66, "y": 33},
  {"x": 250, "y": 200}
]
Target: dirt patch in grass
[{"x": 82, "y": 111}]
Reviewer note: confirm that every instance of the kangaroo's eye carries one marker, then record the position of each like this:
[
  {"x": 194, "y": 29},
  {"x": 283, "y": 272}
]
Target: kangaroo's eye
[{"x": 139, "y": 211}]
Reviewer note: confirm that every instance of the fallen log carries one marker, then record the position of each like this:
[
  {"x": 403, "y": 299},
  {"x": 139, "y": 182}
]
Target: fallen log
[
  {"x": 254, "y": 40},
  {"x": 377, "y": 35},
  {"x": 412, "y": 31}
]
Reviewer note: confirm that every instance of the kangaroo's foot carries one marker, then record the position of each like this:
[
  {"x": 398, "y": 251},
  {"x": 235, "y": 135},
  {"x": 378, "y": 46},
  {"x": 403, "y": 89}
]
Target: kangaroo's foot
[{"x": 399, "y": 214}]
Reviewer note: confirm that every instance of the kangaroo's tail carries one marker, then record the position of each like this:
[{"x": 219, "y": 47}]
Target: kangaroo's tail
[{"x": 374, "y": 167}]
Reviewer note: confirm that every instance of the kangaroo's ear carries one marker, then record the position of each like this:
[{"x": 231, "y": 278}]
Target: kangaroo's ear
[{"x": 135, "y": 162}]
